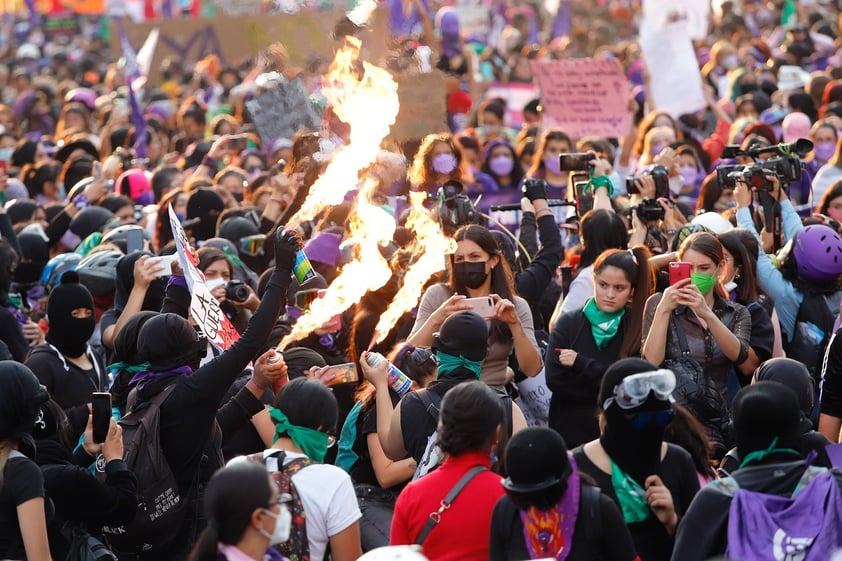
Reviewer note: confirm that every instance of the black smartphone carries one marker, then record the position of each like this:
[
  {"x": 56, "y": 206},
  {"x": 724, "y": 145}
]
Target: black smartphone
[
  {"x": 101, "y": 411},
  {"x": 575, "y": 162},
  {"x": 238, "y": 142},
  {"x": 134, "y": 240}
]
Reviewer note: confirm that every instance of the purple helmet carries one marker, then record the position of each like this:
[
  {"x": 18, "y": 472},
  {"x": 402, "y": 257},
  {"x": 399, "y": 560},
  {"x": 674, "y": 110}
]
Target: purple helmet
[
  {"x": 818, "y": 253},
  {"x": 85, "y": 96}
]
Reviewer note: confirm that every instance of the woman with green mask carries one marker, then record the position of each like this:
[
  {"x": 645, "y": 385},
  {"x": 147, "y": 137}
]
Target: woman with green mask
[
  {"x": 305, "y": 416},
  {"x": 585, "y": 342},
  {"x": 696, "y": 313}
]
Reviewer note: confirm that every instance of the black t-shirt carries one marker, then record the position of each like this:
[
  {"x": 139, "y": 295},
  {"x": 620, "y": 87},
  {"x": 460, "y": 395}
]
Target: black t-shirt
[
  {"x": 22, "y": 482},
  {"x": 611, "y": 542},
  {"x": 651, "y": 539},
  {"x": 363, "y": 471}
]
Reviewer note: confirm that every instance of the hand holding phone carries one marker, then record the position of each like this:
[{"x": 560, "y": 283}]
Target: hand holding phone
[
  {"x": 164, "y": 263},
  {"x": 679, "y": 271},
  {"x": 101, "y": 411},
  {"x": 482, "y": 306},
  {"x": 344, "y": 374}
]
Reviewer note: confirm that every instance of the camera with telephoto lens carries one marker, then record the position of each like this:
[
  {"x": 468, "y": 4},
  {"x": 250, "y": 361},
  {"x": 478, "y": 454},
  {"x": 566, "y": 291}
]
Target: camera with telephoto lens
[
  {"x": 660, "y": 174},
  {"x": 455, "y": 208},
  {"x": 236, "y": 291},
  {"x": 649, "y": 210},
  {"x": 786, "y": 168}
]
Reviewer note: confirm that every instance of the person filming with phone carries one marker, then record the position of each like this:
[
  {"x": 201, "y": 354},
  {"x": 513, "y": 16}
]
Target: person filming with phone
[{"x": 480, "y": 281}]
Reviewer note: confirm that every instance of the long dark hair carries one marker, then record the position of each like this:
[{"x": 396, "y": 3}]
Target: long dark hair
[
  {"x": 833, "y": 192},
  {"x": 469, "y": 417},
  {"x": 747, "y": 290},
  {"x": 502, "y": 282},
  {"x": 600, "y": 230},
  {"x": 708, "y": 245},
  {"x": 8, "y": 263},
  {"x": 537, "y": 167},
  {"x": 232, "y": 495},
  {"x": 635, "y": 265}
]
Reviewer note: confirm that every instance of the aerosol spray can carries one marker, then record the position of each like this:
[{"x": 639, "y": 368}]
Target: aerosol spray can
[
  {"x": 302, "y": 269},
  {"x": 398, "y": 381}
]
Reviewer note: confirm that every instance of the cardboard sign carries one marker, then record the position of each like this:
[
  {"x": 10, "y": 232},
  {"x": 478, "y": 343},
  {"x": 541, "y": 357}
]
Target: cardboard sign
[
  {"x": 423, "y": 110},
  {"x": 584, "y": 97},
  {"x": 675, "y": 80},
  {"x": 282, "y": 111},
  {"x": 203, "y": 306}
]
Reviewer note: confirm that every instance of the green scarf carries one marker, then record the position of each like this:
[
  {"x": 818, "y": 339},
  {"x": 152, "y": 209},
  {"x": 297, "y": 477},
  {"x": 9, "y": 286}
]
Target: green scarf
[
  {"x": 448, "y": 363},
  {"x": 758, "y": 455},
  {"x": 312, "y": 442},
  {"x": 630, "y": 495},
  {"x": 604, "y": 325},
  {"x": 126, "y": 367}
]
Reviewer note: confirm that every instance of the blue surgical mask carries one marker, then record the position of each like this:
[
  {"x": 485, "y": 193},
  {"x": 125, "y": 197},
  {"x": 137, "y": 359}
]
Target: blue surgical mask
[{"x": 6, "y": 154}]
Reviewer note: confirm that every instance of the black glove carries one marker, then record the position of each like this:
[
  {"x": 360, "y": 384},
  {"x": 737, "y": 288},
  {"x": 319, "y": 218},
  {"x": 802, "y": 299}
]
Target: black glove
[
  {"x": 534, "y": 189},
  {"x": 287, "y": 244}
]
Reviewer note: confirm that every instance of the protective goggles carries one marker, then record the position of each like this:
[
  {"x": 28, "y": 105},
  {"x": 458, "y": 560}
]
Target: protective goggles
[
  {"x": 634, "y": 390},
  {"x": 252, "y": 245},
  {"x": 651, "y": 418}
]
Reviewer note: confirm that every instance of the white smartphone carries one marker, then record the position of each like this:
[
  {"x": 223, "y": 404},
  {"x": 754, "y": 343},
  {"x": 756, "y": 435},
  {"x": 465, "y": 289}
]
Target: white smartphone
[
  {"x": 165, "y": 263},
  {"x": 482, "y": 306}
]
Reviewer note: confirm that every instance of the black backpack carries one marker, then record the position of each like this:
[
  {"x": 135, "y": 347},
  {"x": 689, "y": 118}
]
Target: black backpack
[
  {"x": 161, "y": 507},
  {"x": 813, "y": 328}
]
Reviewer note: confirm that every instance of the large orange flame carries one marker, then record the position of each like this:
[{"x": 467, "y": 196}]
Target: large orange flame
[
  {"x": 366, "y": 98},
  {"x": 431, "y": 245}
]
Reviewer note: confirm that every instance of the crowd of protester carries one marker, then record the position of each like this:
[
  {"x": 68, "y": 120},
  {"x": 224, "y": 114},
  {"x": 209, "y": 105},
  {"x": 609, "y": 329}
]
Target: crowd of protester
[{"x": 678, "y": 309}]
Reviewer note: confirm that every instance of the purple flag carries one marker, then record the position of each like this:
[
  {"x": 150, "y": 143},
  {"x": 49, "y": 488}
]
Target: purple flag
[
  {"x": 34, "y": 20},
  {"x": 133, "y": 74},
  {"x": 561, "y": 24}
]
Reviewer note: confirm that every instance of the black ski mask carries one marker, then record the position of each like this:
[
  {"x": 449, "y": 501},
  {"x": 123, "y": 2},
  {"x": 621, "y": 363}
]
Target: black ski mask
[
  {"x": 470, "y": 273},
  {"x": 67, "y": 333}
]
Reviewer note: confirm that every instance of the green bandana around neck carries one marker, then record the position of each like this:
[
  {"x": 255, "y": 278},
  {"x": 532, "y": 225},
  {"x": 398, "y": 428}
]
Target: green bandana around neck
[
  {"x": 705, "y": 283},
  {"x": 630, "y": 495},
  {"x": 126, "y": 367},
  {"x": 604, "y": 325},
  {"x": 448, "y": 363},
  {"x": 758, "y": 455},
  {"x": 312, "y": 442}
]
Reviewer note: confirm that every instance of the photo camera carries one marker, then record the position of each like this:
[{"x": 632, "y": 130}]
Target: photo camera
[{"x": 455, "y": 208}]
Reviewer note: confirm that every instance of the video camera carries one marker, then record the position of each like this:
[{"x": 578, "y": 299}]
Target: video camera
[
  {"x": 786, "y": 168},
  {"x": 649, "y": 210},
  {"x": 455, "y": 208},
  {"x": 660, "y": 174}
]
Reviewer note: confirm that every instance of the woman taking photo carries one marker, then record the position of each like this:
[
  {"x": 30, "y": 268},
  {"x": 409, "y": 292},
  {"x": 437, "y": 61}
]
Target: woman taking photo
[
  {"x": 478, "y": 269},
  {"x": 717, "y": 331},
  {"x": 585, "y": 342},
  {"x": 246, "y": 516},
  {"x": 546, "y": 164}
]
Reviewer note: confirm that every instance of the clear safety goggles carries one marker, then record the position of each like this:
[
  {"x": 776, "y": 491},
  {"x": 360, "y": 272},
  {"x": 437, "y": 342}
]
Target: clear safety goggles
[{"x": 634, "y": 390}]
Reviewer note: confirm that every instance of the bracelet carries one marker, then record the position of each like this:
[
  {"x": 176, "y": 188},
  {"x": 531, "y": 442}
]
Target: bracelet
[
  {"x": 80, "y": 201},
  {"x": 601, "y": 181},
  {"x": 743, "y": 356},
  {"x": 276, "y": 200},
  {"x": 671, "y": 232}
]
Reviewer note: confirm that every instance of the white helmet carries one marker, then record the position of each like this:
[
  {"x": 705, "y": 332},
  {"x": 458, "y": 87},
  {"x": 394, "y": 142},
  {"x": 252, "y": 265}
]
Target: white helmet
[
  {"x": 395, "y": 553},
  {"x": 714, "y": 222}
]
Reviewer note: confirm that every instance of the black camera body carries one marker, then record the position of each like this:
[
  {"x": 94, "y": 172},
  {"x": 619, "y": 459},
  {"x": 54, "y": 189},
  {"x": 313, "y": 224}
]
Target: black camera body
[
  {"x": 575, "y": 162},
  {"x": 660, "y": 174},
  {"x": 455, "y": 208},
  {"x": 649, "y": 210},
  {"x": 236, "y": 291},
  {"x": 786, "y": 168}
]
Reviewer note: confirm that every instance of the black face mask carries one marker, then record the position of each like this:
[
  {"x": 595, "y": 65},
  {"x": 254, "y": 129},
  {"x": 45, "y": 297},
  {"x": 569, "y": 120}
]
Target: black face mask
[
  {"x": 636, "y": 451},
  {"x": 470, "y": 273}
]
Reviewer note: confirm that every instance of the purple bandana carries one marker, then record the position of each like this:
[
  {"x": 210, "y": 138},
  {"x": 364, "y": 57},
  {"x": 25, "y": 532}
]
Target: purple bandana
[{"x": 146, "y": 376}]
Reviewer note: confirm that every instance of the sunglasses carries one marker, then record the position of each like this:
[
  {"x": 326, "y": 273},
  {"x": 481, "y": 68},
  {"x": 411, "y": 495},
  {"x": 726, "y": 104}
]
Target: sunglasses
[{"x": 651, "y": 418}]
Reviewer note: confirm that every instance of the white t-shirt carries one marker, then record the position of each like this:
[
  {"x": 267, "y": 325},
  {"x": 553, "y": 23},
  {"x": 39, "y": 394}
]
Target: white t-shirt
[{"x": 327, "y": 496}]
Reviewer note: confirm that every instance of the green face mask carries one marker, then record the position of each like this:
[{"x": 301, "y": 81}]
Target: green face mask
[{"x": 704, "y": 282}]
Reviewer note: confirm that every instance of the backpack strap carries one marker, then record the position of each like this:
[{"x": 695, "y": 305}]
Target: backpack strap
[
  {"x": 727, "y": 486},
  {"x": 447, "y": 502},
  {"x": 431, "y": 408},
  {"x": 590, "y": 509}
]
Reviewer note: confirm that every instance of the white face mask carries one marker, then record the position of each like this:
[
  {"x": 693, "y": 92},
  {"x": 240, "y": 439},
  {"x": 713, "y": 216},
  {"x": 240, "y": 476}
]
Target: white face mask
[{"x": 283, "y": 523}]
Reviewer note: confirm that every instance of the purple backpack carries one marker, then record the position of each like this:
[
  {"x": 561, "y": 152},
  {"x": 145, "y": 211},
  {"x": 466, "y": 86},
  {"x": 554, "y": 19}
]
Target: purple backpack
[{"x": 804, "y": 527}]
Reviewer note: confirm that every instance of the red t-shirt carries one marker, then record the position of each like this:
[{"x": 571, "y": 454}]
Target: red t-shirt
[{"x": 463, "y": 533}]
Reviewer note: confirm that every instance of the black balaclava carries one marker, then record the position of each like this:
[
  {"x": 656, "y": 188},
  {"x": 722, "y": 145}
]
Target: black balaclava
[
  {"x": 33, "y": 259},
  {"x": 154, "y": 297},
  {"x": 167, "y": 342},
  {"x": 203, "y": 209},
  {"x": 21, "y": 397},
  {"x": 792, "y": 374},
  {"x": 68, "y": 334},
  {"x": 636, "y": 451}
]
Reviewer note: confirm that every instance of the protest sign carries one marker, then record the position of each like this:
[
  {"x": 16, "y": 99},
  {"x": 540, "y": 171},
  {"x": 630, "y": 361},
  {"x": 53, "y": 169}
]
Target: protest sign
[
  {"x": 422, "y": 106},
  {"x": 657, "y": 14},
  {"x": 204, "y": 308},
  {"x": 281, "y": 111},
  {"x": 474, "y": 20},
  {"x": 675, "y": 82},
  {"x": 516, "y": 97},
  {"x": 587, "y": 96},
  {"x": 534, "y": 399}
]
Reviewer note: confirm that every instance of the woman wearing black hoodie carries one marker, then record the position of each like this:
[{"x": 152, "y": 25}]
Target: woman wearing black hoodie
[{"x": 189, "y": 439}]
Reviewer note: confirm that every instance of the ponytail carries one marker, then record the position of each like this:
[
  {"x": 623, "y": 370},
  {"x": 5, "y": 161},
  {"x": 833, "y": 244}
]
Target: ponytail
[
  {"x": 206, "y": 548},
  {"x": 643, "y": 286}
]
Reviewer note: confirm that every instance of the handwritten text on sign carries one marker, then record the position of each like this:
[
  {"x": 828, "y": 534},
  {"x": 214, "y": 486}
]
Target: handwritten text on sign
[
  {"x": 584, "y": 96},
  {"x": 203, "y": 306}
]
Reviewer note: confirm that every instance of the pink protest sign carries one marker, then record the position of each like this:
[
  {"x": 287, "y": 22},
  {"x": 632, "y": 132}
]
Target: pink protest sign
[{"x": 584, "y": 96}]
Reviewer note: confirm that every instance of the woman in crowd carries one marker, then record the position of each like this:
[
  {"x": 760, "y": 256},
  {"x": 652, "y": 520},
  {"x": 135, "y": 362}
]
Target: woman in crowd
[
  {"x": 469, "y": 426},
  {"x": 437, "y": 161},
  {"x": 219, "y": 270},
  {"x": 546, "y": 164},
  {"x": 478, "y": 269},
  {"x": 305, "y": 415},
  {"x": 500, "y": 163},
  {"x": 549, "y": 511},
  {"x": 23, "y": 525},
  {"x": 585, "y": 342},
  {"x": 717, "y": 331},
  {"x": 828, "y": 174},
  {"x": 652, "y": 481},
  {"x": 246, "y": 516},
  {"x": 824, "y": 137},
  {"x": 830, "y": 203}
]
